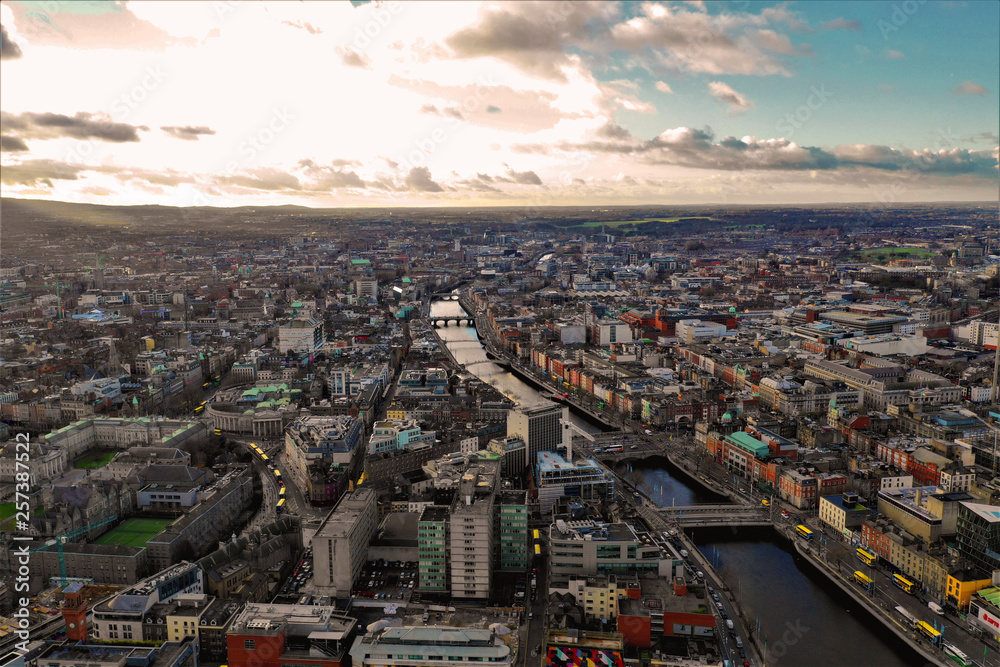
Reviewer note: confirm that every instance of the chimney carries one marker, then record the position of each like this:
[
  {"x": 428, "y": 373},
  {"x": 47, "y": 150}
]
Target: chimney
[{"x": 917, "y": 497}]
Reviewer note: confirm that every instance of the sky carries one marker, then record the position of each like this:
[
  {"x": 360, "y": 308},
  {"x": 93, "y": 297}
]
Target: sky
[{"x": 353, "y": 103}]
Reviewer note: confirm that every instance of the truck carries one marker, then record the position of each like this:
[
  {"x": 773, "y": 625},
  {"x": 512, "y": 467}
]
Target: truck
[{"x": 936, "y": 608}]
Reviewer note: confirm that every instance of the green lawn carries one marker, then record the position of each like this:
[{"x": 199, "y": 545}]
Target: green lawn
[
  {"x": 97, "y": 459},
  {"x": 895, "y": 253},
  {"x": 134, "y": 532},
  {"x": 620, "y": 223},
  {"x": 7, "y": 519}
]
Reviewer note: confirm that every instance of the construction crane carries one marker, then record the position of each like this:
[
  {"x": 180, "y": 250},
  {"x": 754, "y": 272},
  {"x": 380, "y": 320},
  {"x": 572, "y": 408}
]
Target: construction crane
[
  {"x": 100, "y": 270},
  {"x": 61, "y": 540},
  {"x": 58, "y": 287}
]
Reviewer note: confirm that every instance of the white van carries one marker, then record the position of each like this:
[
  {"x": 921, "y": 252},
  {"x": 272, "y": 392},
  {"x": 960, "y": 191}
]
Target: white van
[{"x": 729, "y": 624}]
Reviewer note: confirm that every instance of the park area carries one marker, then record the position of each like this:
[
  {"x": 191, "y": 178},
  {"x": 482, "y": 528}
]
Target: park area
[
  {"x": 621, "y": 223},
  {"x": 134, "y": 532},
  {"x": 96, "y": 459},
  {"x": 883, "y": 254}
]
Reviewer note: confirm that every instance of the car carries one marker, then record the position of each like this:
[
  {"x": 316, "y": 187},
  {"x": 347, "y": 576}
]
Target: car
[{"x": 715, "y": 596}]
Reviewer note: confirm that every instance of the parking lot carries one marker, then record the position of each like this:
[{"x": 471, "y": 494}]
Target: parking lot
[{"x": 387, "y": 580}]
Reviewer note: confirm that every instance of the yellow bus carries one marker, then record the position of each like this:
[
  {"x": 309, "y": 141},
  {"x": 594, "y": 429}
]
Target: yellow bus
[
  {"x": 863, "y": 579},
  {"x": 536, "y": 534},
  {"x": 803, "y": 532},
  {"x": 281, "y": 506},
  {"x": 538, "y": 550},
  {"x": 277, "y": 476},
  {"x": 263, "y": 457},
  {"x": 281, "y": 492},
  {"x": 928, "y": 630},
  {"x": 866, "y": 557},
  {"x": 904, "y": 583}
]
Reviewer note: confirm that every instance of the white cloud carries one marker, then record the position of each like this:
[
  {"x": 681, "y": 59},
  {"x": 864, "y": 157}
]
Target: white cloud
[
  {"x": 724, "y": 93},
  {"x": 664, "y": 87}
]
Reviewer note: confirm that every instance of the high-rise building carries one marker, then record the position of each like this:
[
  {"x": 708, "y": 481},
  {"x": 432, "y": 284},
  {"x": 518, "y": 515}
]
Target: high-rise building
[
  {"x": 544, "y": 428},
  {"x": 472, "y": 539},
  {"x": 340, "y": 546},
  {"x": 432, "y": 547},
  {"x": 513, "y": 530}
]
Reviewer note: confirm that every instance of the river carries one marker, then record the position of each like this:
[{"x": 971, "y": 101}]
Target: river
[
  {"x": 806, "y": 619},
  {"x": 468, "y": 351}
]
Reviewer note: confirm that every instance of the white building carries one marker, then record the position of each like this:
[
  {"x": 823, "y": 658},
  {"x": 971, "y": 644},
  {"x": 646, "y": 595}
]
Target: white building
[
  {"x": 340, "y": 545},
  {"x": 690, "y": 331},
  {"x": 473, "y": 543},
  {"x": 983, "y": 333},
  {"x": 366, "y": 288},
  {"x": 301, "y": 335}
]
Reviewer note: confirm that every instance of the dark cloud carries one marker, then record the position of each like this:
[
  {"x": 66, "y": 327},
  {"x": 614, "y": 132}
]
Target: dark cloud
[
  {"x": 264, "y": 178},
  {"x": 187, "y": 132},
  {"x": 430, "y": 109},
  {"x": 12, "y": 144},
  {"x": 524, "y": 177},
  {"x": 493, "y": 109},
  {"x": 81, "y": 126},
  {"x": 699, "y": 149},
  {"x": 419, "y": 179},
  {"x": 324, "y": 177},
  {"x": 39, "y": 172},
  {"x": 533, "y": 37},
  {"x": 9, "y": 50}
]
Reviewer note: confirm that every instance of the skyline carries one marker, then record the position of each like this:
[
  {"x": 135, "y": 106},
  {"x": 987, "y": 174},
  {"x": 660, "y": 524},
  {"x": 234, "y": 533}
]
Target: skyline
[{"x": 499, "y": 104}]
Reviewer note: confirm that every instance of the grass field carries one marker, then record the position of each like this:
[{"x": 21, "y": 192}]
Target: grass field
[
  {"x": 97, "y": 459},
  {"x": 621, "y": 223},
  {"x": 7, "y": 519},
  {"x": 894, "y": 253},
  {"x": 134, "y": 532}
]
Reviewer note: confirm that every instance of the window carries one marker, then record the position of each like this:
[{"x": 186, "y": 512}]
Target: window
[{"x": 249, "y": 644}]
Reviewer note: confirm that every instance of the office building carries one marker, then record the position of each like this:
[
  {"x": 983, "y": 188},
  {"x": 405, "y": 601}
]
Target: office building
[
  {"x": 978, "y": 535},
  {"x": 513, "y": 531},
  {"x": 301, "y": 335},
  {"x": 593, "y": 547},
  {"x": 280, "y": 635},
  {"x": 340, "y": 545},
  {"x": 585, "y": 479},
  {"x": 472, "y": 537},
  {"x": 432, "y": 547},
  {"x": 432, "y": 646},
  {"x": 544, "y": 428}
]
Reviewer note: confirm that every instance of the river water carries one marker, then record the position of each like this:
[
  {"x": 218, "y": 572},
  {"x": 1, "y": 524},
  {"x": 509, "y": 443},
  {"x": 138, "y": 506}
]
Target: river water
[
  {"x": 807, "y": 621},
  {"x": 465, "y": 346}
]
